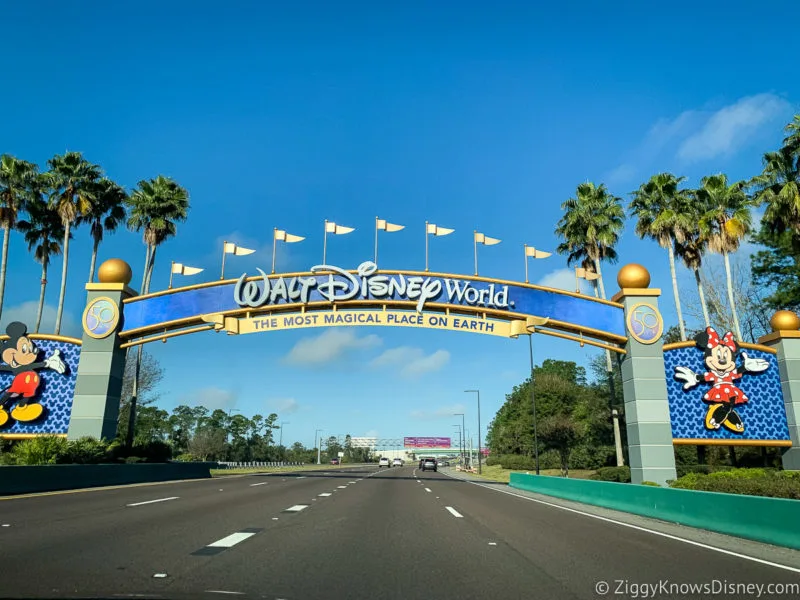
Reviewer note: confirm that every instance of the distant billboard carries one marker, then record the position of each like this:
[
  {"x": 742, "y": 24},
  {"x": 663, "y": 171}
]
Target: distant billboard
[
  {"x": 363, "y": 442},
  {"x": 427, "y": 442}
]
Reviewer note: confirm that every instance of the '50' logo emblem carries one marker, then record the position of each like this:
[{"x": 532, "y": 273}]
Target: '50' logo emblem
[{"x": 644, "y": 323}]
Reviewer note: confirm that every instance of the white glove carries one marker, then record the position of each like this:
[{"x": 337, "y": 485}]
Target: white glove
[
  {"x": 687, "y": 375},
  {"x": 54, "y": 362},
  {"x": 755, "y": 365}
]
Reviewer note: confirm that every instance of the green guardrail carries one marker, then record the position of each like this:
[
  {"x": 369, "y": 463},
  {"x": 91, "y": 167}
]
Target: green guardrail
[
  {"x": 16, "y": 479},
  {"x": 769, "y": 520}
]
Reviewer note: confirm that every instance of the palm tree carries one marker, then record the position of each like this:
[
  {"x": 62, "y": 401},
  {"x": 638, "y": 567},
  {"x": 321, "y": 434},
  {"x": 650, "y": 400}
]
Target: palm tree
[
  {"x": 792, "y": 139},
  {"x": 724, "y": 223},
  {"x": 778, "y": 186},
  {"x": 44, "y": 232},
  {"x": 156, "y": 206},
  {"x": 16, "y": 180},
  {"x": 661, "y": 210},
  {"x": 590, "y": 228},
  {"x": 73, "y": 185},
  {"x": 106, "y": 214},
  {"x": 691, "y": 250}
]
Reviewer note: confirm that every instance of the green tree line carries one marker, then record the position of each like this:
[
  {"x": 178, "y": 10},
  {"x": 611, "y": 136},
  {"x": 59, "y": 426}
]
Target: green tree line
[{"x": 48, "y": 206}]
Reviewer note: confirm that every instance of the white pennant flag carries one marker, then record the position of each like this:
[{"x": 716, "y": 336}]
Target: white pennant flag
[
  {"x": 534, "y": 253},
  {"x": 180, "y": 269},
  {"x": 384, "y": 225},
  {"x": 436, "y": 230},
  {"x": 480, "y": 238},
  {"x": 584, "y": 274},
  {"x": 231, "y": 248},
  {"x": 282, "y": 236},
  {"x": 338, "y": 229}
]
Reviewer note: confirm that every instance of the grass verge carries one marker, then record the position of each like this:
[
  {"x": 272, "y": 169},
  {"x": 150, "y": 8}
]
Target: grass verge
[
  {"x": 251, "y": 470},
  {"x": 498, "y": 473}
]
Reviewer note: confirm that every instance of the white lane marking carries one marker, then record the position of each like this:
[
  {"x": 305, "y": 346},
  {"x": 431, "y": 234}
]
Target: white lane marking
[
  {"x": 296, "y": 508},
  {"x": 152, "y": 501},
  {"x": 427, "y": 489},
  {"x": 349, "y": 482},
  {"x": 342, "y": 487},
  {"x": 223, "y": 592},
  {"x": 454, "y": 512},
  {"x": 493, "y": 543},
  {"x": 437, "y": 497},
  {"x": 159, "y": 575},
  {"x": 251, "y": 485},
  {"x": 231, "y": 540},
  {"x": 274, "y": 518},
  {"x": 6, "y": 524},
  {"x": 220, "y": 489},
  {"x": 303, "y": 477},
  {"x": 644, "y": 529},
  {"x": 324, "y": 494}
]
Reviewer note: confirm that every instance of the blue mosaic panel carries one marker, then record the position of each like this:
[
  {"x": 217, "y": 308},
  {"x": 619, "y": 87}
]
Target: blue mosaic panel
[
  {"x": 764, "y": 415},
  {"x": 56, "y": 392}
]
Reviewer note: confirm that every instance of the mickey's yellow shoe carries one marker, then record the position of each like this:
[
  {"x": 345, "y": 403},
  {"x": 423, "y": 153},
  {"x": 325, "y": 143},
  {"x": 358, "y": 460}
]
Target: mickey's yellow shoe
[
  {"x": 3, "y": 416},
  {"x": 29, "y": 412}
]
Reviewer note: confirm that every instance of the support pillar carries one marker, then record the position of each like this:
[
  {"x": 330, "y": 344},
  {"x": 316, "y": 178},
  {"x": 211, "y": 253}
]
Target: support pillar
[
  {"x": 101, "y": 367},
  {"x": 785, "y": 338},
  {"x": 650, "y": 451}
]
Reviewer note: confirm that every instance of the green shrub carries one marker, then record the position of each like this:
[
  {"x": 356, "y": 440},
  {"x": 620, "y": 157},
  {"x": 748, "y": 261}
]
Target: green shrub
[
  {"x": 518, "y": 462},
  {"x": 585, "y": 457},
  {"x": 86, "y": 451},
  {"x": 131, "y": 460},
  {"x": 153, "y": 451},
  {"x": 185, "y": 457},
  {"x": 752, "y": 482},
  {"x": 493, "y": 459},
  {"x": 653, "y": 483},
  {"x": 41, "y": 450},
  {"x": 618, "y": 474}
]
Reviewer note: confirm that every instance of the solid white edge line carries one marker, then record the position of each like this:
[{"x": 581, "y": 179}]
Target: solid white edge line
[
  {"x": 251, "y": 485},
  {"x": 231, "y": 540},
  {"x": 153, "y": 501},
  {"x": 638, "y": 528},
  {"x": 454, "y": 512}
]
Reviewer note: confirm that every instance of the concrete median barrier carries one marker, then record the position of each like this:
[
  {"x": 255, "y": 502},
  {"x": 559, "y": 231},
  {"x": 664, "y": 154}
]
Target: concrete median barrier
[
  {"x": 51, "y": 478},
  {"x": 769, "y": 520}
]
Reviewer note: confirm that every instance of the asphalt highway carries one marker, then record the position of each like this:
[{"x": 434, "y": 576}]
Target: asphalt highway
[{"x": 351, "y": 533}]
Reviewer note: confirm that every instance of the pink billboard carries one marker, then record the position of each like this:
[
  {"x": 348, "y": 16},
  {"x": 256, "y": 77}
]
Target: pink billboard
[{"x": 427, "y": 442}]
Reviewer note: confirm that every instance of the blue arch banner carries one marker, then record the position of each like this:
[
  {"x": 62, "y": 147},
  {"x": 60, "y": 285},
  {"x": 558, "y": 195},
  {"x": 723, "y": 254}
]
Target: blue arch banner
[{"x": 333, "y": 285}]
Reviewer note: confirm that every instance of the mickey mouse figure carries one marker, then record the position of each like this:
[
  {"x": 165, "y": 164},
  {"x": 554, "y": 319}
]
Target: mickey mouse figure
[
  {"x": 20, "y": 354},
  {"x": 724, "y": 396}
]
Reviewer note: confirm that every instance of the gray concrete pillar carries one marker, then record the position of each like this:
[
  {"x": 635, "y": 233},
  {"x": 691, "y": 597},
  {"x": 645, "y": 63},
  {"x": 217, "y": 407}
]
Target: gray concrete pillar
[
  {"x": 102, "y": 362},
  {"x": 650, "y": 450},
  {"x": 785, "y": 338}
]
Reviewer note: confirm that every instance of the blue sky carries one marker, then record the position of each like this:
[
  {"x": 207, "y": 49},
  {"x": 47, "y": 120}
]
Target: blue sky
[{"x": 459, "y": 113}]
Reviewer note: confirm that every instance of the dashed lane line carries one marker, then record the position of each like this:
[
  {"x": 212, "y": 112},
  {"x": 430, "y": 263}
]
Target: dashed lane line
[
  {"x": 227, "y": 542},
  {"x": 296, "y": 508},
  {"x": 153, "y": 501},
  {"x": 427, "y": 489},
  {"x": 255, "y": 484},
  {"x": 324, "y": 494},
  {"x": 454, "y": 512},
  {"x": 342, "y": 487}
]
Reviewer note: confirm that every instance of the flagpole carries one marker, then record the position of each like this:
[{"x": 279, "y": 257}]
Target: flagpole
[
  {"x": 171, "y": 272},
  {"x": 222, "y": 275},
  {"x": 325, "y": 243},
  {"x": 475, "y": 243},
  {"x": 376, "y": 240},
  {"x": 274, "y": 244},
  {"x": 577, "y": 284},
  {"x": 426, "y": 245}
]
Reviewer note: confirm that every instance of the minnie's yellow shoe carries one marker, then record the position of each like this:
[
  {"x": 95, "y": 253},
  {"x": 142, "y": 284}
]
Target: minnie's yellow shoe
[
  {"x": 3, "y": 416},
  {"x": 29, "y": 412}
]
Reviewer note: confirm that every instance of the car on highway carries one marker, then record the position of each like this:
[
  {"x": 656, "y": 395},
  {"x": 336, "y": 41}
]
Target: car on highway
[
  {"x": 397, "y": 462},
  {"x": 384, "y": 462},
  {"x": 428, "y": 464},
  {"x": 335, "y": 461}
]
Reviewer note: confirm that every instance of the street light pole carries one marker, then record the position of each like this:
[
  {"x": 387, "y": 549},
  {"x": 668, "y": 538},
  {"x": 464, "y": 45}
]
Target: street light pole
[
  {"x": 280, "y": 443},
  {"x": 478, "y": 392},
  {"x": 318, "y": 441},
  {"x": 459, "y": 439},
  {"x": 463, "y": 429}
]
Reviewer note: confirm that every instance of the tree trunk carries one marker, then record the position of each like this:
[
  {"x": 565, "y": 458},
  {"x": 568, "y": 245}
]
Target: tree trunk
[
  {"x": 599, "y": 280},
  {"x": 144, "y": 270},
  {"x": 701, "y": 455},
  {"x": 675, "y": 292},
  {"x": 63, "y": 292},
  {"x": 41, "y": 298},
  {"x": 702, "y": 296},
  {"x": 150, "y": 269},
  {"x": 730, "y": 296},
  {"x": 3, "y": 264},
  {"x": 94, "y": 260}
]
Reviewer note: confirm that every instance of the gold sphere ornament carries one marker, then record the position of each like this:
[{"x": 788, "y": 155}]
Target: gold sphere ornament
[
  {"x": 784, "y": 320},
  {"x": 633, "y": 275},
  {"x": 115, "y": 270}
]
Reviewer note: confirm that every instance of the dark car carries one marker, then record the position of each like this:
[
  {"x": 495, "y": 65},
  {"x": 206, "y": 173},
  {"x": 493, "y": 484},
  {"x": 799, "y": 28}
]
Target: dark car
[
  {"x": 334, "y": 461},
  {"x": 428, "y": 464}
]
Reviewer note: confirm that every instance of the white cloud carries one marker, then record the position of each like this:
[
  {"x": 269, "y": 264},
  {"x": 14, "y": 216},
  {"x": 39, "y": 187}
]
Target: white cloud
[
  {"x": 621, "y": 174},
  {"x": 564, "y": 279},
  {"x": 443, "y": 412},
  {"x": 732, "y": 126},
  {"x": 412, "y": 362},
  {"x": 284, "y": 406},
  {"x": 329, "y": 346},
  {"x": 371, "y": 433},
  {"x": 212, "y": 398},
  {"x": 26, "y": 313}
]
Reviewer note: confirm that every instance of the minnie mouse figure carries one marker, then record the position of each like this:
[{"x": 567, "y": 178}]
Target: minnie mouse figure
[{"x": 724, "y": 396}]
